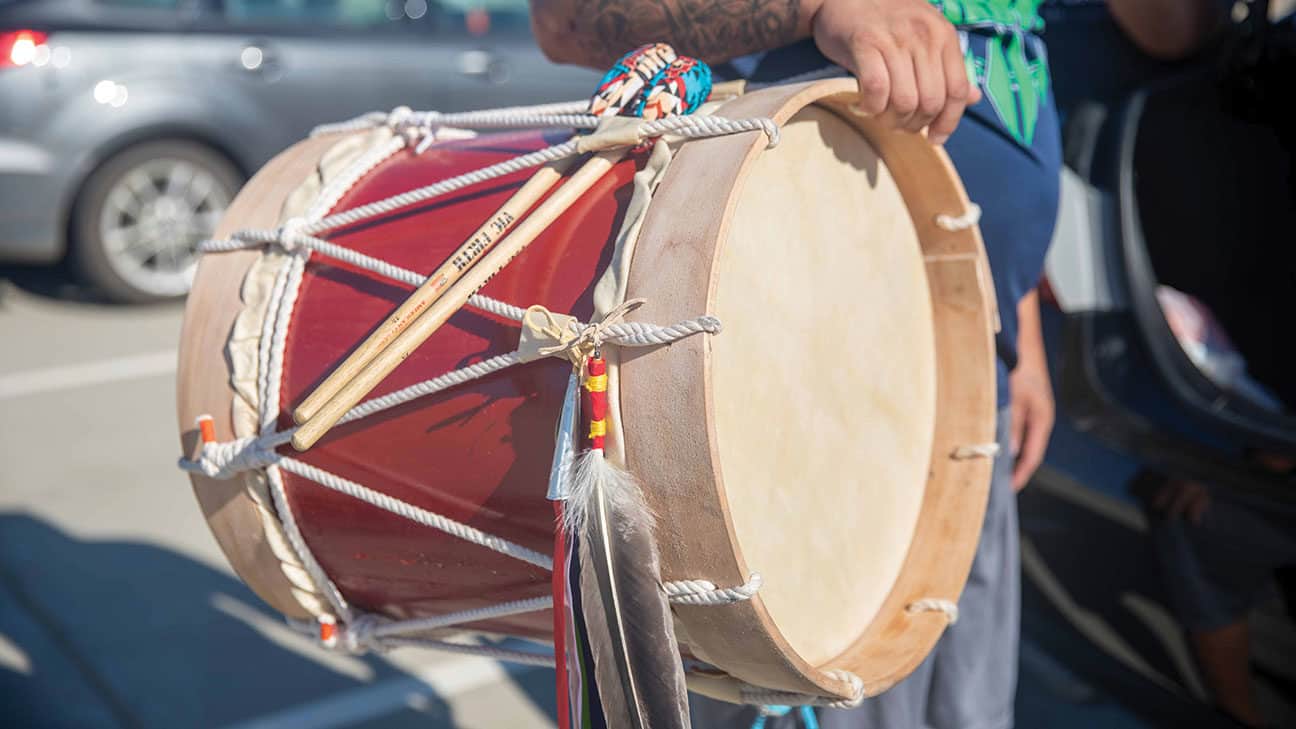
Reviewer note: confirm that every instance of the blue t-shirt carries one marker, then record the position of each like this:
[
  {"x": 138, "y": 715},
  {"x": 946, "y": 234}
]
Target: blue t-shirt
[{"x": 1006, "y": 149}]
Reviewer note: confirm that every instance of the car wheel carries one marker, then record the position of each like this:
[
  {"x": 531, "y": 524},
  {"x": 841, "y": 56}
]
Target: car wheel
[{"x": 138, "y": 221}]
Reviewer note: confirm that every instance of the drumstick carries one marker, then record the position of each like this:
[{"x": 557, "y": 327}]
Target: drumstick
[
  {"x": 454, "y": 298},
  {"x": 475, "y": 245}
]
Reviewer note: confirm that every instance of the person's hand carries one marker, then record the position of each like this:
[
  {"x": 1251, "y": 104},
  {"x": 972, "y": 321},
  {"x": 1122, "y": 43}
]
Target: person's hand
[
  {"x": 907, "y": 59},
  {"x": 1032, "y": 420},
  {"x": 1182, "y": 499}
]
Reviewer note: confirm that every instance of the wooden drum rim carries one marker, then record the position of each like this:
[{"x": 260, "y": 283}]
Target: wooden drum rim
[{"x": 203, "y": 374}]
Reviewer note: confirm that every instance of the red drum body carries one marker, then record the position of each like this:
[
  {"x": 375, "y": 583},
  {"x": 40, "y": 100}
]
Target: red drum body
[
  {"x": 832, "y": 438},
  {"x": 478, "y": 453}
]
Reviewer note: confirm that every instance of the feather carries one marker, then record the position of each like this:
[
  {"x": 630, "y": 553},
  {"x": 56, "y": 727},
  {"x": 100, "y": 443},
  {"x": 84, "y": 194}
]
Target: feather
[
  {"x": 637, "y": 667},
  {"x": 632, "y": 635}
]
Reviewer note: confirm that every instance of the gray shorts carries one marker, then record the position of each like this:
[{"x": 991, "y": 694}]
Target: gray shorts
[{"x": 970, "y": 679}]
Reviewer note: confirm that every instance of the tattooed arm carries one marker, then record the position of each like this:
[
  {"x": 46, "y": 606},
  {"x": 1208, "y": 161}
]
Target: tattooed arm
[
  {"x": 596, "y": 32},
  {"x": 904, "y": 53}
]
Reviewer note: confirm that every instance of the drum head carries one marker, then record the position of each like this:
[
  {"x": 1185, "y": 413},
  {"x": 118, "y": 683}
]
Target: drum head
[
  {"x": 824, "y": 380},
  {"x": 812, "y": 441}
]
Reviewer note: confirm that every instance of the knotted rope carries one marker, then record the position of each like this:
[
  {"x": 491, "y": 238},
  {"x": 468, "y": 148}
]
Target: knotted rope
[
  {"x": 578, "y": 344},
  {"x": 705, "y": 592},
  {"x": 935, "y": 605}
]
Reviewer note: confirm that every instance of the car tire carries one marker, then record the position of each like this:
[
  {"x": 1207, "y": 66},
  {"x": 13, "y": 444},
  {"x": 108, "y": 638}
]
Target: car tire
[{"x": 139, "y": 218}]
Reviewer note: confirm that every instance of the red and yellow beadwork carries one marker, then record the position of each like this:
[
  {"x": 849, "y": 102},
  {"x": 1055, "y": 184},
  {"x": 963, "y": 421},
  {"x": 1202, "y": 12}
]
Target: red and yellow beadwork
[{"x": 596, "y": 383}]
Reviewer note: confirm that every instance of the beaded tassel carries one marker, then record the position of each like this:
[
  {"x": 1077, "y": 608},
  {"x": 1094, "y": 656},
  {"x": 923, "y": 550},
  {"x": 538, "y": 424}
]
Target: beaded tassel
[
  {"x": 619, "y": 616},
  {"x": 596, "y": 383}
]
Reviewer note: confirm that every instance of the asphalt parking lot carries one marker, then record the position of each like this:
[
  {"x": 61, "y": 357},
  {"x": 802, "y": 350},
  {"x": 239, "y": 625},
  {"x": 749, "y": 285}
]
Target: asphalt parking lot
[{"x": 117, "y": 609}]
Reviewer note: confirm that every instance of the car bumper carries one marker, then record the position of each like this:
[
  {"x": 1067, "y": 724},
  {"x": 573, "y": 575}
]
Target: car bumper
[{"x": 33, "y": 194}]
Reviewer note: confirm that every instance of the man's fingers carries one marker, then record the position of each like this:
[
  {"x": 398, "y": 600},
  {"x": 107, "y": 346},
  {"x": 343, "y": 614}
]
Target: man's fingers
[
  {"x": 1016, "y": 436},
  {"x": 958, "y": 91},
  {"x": 932, "y": 94},
  {"x": 1026, "y": 465},
  {"x": 944, "y": 125},
  {"x": 874, "y": 80},
  {"x": 1034, "y": 443},
  {"x": 957, "y": 84},
  {"x": 1016, "y": 426},
  {"x": 1022, "y": 471},
  {"x": 903, "y": 100}
]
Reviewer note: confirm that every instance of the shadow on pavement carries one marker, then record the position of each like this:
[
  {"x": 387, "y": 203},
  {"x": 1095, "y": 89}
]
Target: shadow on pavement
[
  {"x": 55, "y": 281},
  {"x": 118, "y": 633}
]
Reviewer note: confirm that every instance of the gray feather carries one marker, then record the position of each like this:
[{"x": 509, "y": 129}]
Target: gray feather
[{"x": 632, "y": 635}]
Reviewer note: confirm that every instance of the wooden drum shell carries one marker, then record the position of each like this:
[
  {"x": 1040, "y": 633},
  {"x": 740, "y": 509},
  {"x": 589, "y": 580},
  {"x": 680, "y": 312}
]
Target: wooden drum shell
[{"x": 667, "y": 439}]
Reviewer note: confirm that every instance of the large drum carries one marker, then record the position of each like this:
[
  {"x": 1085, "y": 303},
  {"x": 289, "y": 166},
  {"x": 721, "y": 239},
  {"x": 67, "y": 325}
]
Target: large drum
[{"x": 830, "y": 436}]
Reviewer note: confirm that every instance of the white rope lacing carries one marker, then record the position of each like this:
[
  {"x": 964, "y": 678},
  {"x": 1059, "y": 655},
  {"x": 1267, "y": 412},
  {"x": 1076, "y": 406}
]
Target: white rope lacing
[
  {"x": 418, "y": 625},
  {"x": 626, "y": 334},
  {"x": 571, "y": 115},
  {"x": 299, "y": 237},
  {"x": 975, "y": 450},
  {"x": 935, "y": 605},
  {"x": 538, "y": 115},
  {"x": 373, "y": 632},
  {"x": 274, "y": 332},
  {"x": 954, "y": 223},
  {"x": 358, "y": 637},
  {"x": 705, "y": 592},
  {"x": 689, "y": 127},
  {"x": 526, "y": 658},
  {"x": 226, "y": 459},
  {"x": 414, "y": 513},
  {"x": 370, "y": 632}
]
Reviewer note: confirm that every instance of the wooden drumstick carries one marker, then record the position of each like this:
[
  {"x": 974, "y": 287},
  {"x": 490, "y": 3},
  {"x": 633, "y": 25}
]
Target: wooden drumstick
[
  {"x": 477, "y": 243},
  {"x": 453, "y": 298}
]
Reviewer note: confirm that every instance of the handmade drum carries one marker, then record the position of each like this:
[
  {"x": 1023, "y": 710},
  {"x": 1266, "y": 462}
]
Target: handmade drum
[{"x": 830, "y": 437}]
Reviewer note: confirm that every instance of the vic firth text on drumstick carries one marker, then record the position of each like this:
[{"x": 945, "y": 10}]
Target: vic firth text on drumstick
[
  {"x": 454, "y": 298},
  {"x": 476, "y": 244}
]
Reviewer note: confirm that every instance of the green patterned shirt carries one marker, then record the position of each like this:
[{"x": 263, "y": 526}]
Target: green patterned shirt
[{"x": 1005, "y": 56}]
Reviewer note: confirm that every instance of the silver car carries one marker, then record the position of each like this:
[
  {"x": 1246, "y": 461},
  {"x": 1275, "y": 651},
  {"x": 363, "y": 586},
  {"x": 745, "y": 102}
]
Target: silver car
[{"x": 126, "y": 126}]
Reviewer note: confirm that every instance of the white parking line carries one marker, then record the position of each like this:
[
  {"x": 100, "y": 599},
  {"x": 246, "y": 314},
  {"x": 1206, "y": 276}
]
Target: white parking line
[{"x": 67, "y": 377}]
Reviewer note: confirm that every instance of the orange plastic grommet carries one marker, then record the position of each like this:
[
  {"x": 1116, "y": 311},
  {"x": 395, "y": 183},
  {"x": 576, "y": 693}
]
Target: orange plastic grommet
[
  {"x": 327, "y": 630},
  {"x": 207, "y": 428}
]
